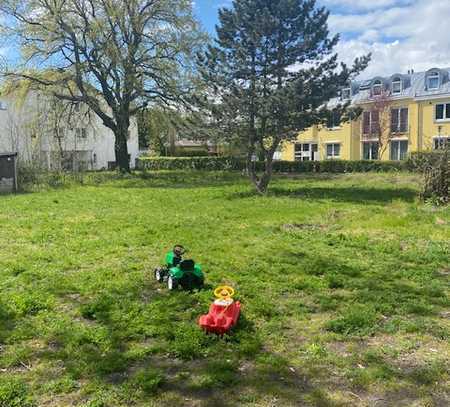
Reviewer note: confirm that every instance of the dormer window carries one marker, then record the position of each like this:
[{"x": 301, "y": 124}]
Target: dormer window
[
  {"x": 433, "y": 81},
  {"x": 396, "y": 86},
  {"x": 377, "y": 88},
  {"x": 346, "y": 94}
]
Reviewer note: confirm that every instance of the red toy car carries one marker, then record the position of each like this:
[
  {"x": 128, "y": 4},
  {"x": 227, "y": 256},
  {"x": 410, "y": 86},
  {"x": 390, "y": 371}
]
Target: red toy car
[{"x": 223, "y": 312}]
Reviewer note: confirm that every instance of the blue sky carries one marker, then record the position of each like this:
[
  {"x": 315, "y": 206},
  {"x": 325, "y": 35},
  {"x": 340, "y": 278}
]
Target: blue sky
[{"x": 401, "y": 34}]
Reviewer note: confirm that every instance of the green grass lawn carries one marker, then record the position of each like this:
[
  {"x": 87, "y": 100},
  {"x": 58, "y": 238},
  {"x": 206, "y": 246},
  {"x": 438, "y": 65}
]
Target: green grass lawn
[{"x": 343, "y": 281}]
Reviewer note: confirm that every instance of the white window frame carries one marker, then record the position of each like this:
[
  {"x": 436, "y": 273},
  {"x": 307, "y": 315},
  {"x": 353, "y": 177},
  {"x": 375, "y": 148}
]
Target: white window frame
[
  {"x": 345, "y": 90},
  {"x": 333, "y": 156},
  {"x": 444, "y": 112},
  {"x": 433, "y": 75},
  {"x": 397, "y": 81},
  {"x": 377, "y": 84},
  {"x": 371, "y": 122},
  {"x": 370, "y": 150},
  {"x": 399, "y": 117},
  {"x": 306, "y": 155},
  {"x": 399, "y": 141}
]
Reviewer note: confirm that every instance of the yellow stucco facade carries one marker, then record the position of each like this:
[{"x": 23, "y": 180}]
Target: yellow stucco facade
[{"x": 422, "y": 121}]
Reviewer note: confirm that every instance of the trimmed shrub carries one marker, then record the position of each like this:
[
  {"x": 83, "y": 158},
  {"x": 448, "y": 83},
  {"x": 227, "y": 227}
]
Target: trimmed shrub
[
  {"x": 190, "y": 163},
  {"x": 238, "y": 163}
]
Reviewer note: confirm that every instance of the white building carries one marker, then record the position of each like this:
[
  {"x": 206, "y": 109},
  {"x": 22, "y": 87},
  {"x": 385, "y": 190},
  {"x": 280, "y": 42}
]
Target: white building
[{"x": 52, "y": 135}]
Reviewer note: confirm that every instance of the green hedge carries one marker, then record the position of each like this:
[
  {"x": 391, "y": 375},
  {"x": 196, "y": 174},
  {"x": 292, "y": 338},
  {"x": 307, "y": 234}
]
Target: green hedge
[
  {"x": 190, "y": 163},
  {"x": 238, "y": 163}
]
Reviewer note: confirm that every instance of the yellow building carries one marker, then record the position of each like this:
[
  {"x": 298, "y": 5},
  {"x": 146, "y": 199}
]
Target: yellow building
[{"x": 400, "y": 114}]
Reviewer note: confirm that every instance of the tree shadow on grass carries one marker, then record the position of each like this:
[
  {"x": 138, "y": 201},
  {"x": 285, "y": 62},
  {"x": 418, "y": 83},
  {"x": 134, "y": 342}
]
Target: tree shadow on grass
[
  {"x": 350, "y": 194},
  {"x": 196, "y": 368}
]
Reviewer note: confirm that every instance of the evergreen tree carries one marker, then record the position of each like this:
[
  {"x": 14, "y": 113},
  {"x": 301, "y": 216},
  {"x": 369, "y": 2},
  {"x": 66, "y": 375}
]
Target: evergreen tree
[{"x": 270, "y": 72}]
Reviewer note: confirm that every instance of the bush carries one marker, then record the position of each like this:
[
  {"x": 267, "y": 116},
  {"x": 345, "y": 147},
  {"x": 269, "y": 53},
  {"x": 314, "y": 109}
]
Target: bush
[
  {"x": 436, "y": 174},
  {"x": 238, "y": 163},
  {"x": 27, "y": 175}
]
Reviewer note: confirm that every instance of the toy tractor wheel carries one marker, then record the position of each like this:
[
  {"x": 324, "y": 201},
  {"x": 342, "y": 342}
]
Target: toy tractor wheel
[
  {"x": 158, "y": 275},
  {"x": 172, "y": 283}
]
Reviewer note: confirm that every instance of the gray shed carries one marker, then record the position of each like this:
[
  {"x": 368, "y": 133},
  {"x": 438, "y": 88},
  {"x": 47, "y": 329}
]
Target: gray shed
[{"x": 8, "y": 172}]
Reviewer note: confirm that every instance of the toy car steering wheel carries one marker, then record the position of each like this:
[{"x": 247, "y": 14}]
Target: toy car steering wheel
[{"x": 224, "y": 292}]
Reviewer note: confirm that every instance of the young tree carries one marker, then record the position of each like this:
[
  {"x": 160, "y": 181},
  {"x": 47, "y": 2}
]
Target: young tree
[
  {"x": 271, "y": 71},
  {"x": 116, "y": 56},
  {"x": 382, "y": 122}
]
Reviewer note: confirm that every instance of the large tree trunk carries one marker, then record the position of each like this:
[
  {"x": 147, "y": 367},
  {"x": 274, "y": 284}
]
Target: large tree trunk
[{"x": 121, "y": 148}]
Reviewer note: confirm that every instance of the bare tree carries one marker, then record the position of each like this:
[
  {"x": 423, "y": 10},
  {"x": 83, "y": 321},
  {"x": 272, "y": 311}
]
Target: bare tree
[{"x": 383, "y": 121}]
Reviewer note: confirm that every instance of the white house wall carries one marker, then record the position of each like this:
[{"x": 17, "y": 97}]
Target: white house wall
[{"x": 16, "y": 129}]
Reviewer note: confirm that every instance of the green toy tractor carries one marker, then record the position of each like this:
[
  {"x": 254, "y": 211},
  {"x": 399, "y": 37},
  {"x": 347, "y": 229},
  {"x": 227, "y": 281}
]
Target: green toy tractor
[{"x": 178, "y": 272}]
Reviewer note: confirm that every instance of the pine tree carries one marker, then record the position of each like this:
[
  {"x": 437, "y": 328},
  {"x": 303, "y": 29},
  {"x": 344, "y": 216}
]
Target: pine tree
[{"x": 270, "y": 72}]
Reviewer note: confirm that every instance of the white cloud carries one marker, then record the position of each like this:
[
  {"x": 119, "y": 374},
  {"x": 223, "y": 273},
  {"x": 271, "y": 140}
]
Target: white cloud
[
  {"x": 364, "y": 5},
  {"x": 400, "y": 37}
]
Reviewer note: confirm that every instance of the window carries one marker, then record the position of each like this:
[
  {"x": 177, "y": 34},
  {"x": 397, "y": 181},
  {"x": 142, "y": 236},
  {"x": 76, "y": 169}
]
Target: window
[
  {"x": 439, "y": 143},
  {"x": 370, "y": 150},
  {"x": 366, "y": 123},
  {"x": 81, "y": 132},
  {"x": 443, "y": 111},
  {"x": 399, "y": 120},
  {"x": 377, "y": 88},
  {"x": 306, "y": 152},
  {"x": 399, "y": 150},
  {"x": 60, "y": 132},
  {"x": 333, "y": 119},
  {"x": 433, "y": 80},
  {"x": 371, "y": 123},
  {"x": 346, "y": 94},
  {"x": 333, "y": 150},
  {"x": 396, "y": 86},
  {"x": 2, "y": 105}
]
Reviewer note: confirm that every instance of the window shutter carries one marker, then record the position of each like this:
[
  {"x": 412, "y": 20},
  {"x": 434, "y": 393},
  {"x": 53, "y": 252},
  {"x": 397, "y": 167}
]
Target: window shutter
[{"x": 404, "y": 120}]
